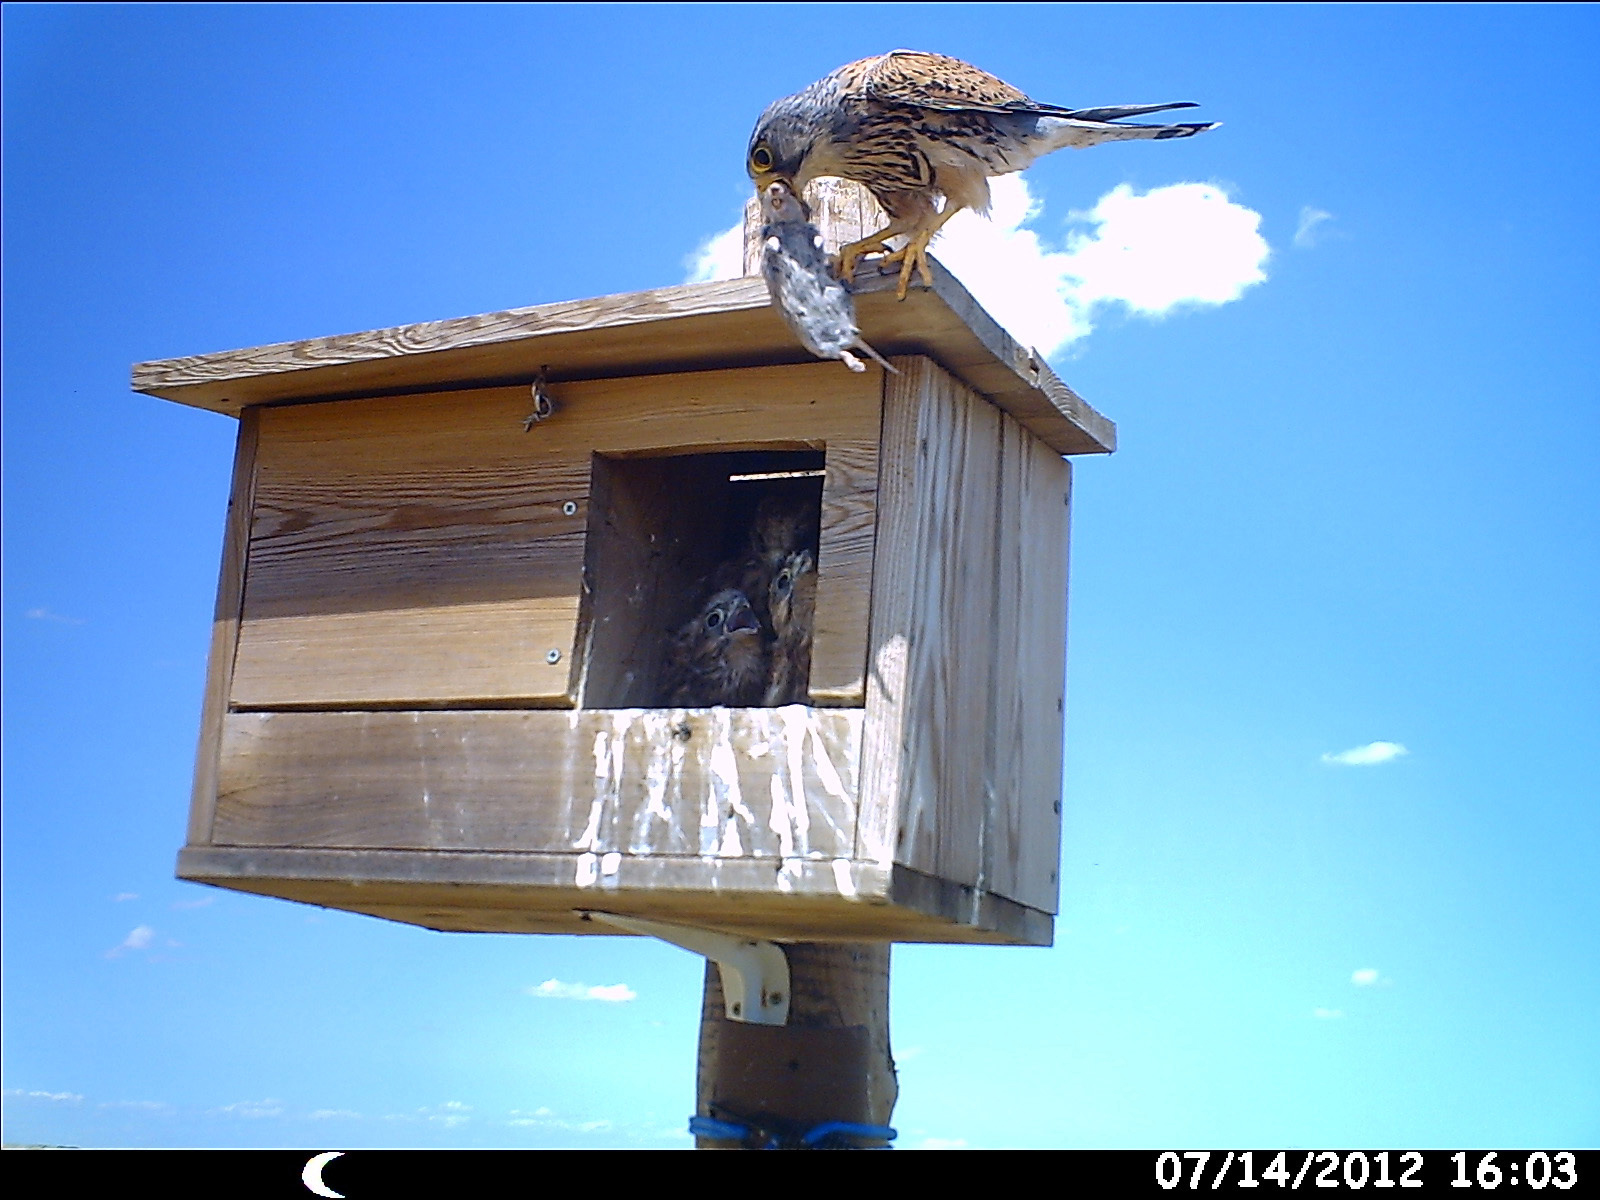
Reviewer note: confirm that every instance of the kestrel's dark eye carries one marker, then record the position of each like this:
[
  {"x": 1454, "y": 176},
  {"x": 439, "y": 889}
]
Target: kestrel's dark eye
[
  {"x": 761, "y": 158},
  {"x": 713, "y": 619}
]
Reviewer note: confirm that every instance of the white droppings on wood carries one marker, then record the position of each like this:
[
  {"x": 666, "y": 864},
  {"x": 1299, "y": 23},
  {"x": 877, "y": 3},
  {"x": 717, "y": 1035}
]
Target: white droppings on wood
[
  {"x": 724, "y": 790},
  {"x": 589, "y": 839},
  {"x": 663, "y": 753},
  {"x": 587, "y": 870},
  {"x": 841, "y": 877},
  {"x": 797, "y": 810}
]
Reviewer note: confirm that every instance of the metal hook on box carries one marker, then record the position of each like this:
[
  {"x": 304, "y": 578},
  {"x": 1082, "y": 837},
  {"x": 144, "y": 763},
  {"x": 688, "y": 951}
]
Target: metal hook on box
[{"x": 544, "y": 404}]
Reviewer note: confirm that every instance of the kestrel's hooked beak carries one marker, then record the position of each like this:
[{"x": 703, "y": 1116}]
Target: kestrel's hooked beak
[
  {"x": 766, "y": 178},
  {"x": 743, "y": 620}
]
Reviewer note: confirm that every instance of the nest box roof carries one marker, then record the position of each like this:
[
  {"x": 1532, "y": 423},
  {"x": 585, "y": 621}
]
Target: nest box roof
[{"x": 700, "y": 326}]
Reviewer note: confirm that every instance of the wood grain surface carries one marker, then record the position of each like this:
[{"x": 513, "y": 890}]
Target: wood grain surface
[
  {"x": 692, "y": 327},
  {"x": 224, "y": 631},
  {"x": 828, "y": 900},
  {"x": 426, "y": 550},
  {"x": 962, "y": 747},
  {"x": 764, "y": 783}
]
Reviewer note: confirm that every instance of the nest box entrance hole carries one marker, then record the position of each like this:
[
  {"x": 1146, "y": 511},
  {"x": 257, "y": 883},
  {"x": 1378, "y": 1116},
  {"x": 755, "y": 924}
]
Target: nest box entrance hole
[{"x": 659, "y": 527}]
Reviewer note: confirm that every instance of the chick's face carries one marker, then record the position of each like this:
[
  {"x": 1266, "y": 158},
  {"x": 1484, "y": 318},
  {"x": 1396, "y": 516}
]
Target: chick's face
[
  {"x": 727, "y": 618},
  {"x": 793, "y": 595}
]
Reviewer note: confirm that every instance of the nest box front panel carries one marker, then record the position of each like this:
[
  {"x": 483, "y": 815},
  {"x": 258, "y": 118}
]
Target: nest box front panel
[
  {"x": 418, "y": 565},
  {"x": 426, "y": 550},
  {"x": 409, "y": 550}
]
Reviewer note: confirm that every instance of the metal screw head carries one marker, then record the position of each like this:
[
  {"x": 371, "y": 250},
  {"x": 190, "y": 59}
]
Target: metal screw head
[
  {"x": 569, "y": 508},
  {"x": 552, "y": 656}
]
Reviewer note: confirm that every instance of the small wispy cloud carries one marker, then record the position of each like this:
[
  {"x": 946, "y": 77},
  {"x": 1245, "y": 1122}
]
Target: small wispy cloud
[
  {"x": 333, "y": 1114},
  {"x": 450, "y": 1114},
  {"x": 611, "y": 993},
  {"x": 1369, "y": 755},
  {"x": 57, "y": 1097},
  {"x": 1368, "y": 977},
  {"x": 1305, "y": 233},
  {"x": 198, "y": 902},
  {"x": 547, "y": 1118},
  {"x": 139, "y": 938},
  {"x": 153, "y": 1106},
  {"x": 44, "y": 614},
  {"x": 1327, "y": 1014},
  {"x": 124, "y": 897},
  {"x": 1186, "y": 245},
  {"x": 254, "y": 1110}
]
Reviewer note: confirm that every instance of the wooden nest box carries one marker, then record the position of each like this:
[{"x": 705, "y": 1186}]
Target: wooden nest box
[{"x": 434, "y": 687}]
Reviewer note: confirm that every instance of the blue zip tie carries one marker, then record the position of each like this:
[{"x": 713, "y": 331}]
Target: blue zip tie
[
  {"x": 875, "y": 1133},
  {"x": 817, "y": 1137}
]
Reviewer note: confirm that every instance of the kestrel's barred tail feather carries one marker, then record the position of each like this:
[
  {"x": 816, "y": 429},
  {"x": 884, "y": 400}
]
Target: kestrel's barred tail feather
[
  {"x": 1056, "y": 133},
  {"x": 1117, "y": 112}
]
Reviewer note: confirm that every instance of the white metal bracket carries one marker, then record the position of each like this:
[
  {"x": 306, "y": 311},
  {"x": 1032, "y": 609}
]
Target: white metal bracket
[{"x": 755, "y": 974}]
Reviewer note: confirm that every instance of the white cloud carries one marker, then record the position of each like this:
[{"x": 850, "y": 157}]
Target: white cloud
[
  {"x": 332, "y": 1114},
  {"x": 44, "y": 614},
  {"x": 554, "y": 989},
  {"x": 139, "y": 938},
  {"x": 1305, "y": 233},
  {"x": 254, "y": 1109},
  {"x": 123, "y": 897},
  {"x": 720, "y": 256},
  {"x": 1149, "y": 253},
  {"x": 59, "y": 1097},
  {"x": 1369, "y": 755},
  {"x": 200, "y": 902},
  {"x": 1327, "y": 1014},
  {"x": 1364, "y": 976},
  {"x": 449, "y": 1114}
]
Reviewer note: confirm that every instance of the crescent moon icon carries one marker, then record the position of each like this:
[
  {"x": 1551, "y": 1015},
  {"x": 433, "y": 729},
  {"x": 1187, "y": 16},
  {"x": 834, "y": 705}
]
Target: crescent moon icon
[{"x": 312, "y": 1175}]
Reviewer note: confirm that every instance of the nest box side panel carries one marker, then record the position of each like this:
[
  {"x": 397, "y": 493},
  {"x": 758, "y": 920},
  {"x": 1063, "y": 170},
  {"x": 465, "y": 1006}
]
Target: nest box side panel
[
  {"x": 1023, "y": 862},
  {"x": 224, "y": 631},
  {"x": 962, "y": 750}
]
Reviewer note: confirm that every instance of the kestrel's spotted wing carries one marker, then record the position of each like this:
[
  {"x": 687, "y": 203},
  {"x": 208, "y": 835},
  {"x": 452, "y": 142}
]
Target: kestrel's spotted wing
[{"x": 918, "y": 79}]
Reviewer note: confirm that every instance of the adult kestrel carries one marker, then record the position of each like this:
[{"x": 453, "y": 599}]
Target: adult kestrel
[
  {"x": 719, "y": 656},
  {"x": 912, "y": 126}
]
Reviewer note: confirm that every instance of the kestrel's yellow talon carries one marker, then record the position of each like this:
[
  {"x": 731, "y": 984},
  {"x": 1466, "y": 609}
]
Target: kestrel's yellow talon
[
  {"x": 845, "y": 260},
  {"x": 913, "y": 255}
]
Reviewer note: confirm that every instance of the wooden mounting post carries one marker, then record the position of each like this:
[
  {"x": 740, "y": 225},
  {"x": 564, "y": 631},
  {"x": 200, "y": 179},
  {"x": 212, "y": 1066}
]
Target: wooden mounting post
[{"x": 831, "y": 1061}]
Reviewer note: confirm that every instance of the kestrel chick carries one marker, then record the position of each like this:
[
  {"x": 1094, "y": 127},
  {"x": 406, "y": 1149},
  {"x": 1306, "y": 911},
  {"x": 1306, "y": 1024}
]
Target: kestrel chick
[
  {"x": 782, "y": 525},
  {"x": 802, "y": 284},
  {"x": 718, "y": 657},
  {"x": 792, "y": 601},
  {"x": 912, "y": 126}
]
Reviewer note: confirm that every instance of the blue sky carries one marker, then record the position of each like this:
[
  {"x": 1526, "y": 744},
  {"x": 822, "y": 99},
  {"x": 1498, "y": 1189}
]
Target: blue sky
[{"x": 1354, "y": 503}]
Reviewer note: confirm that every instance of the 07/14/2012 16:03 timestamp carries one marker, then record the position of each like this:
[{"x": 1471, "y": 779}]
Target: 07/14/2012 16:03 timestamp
[{"x": 1357, "y": 1169}]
